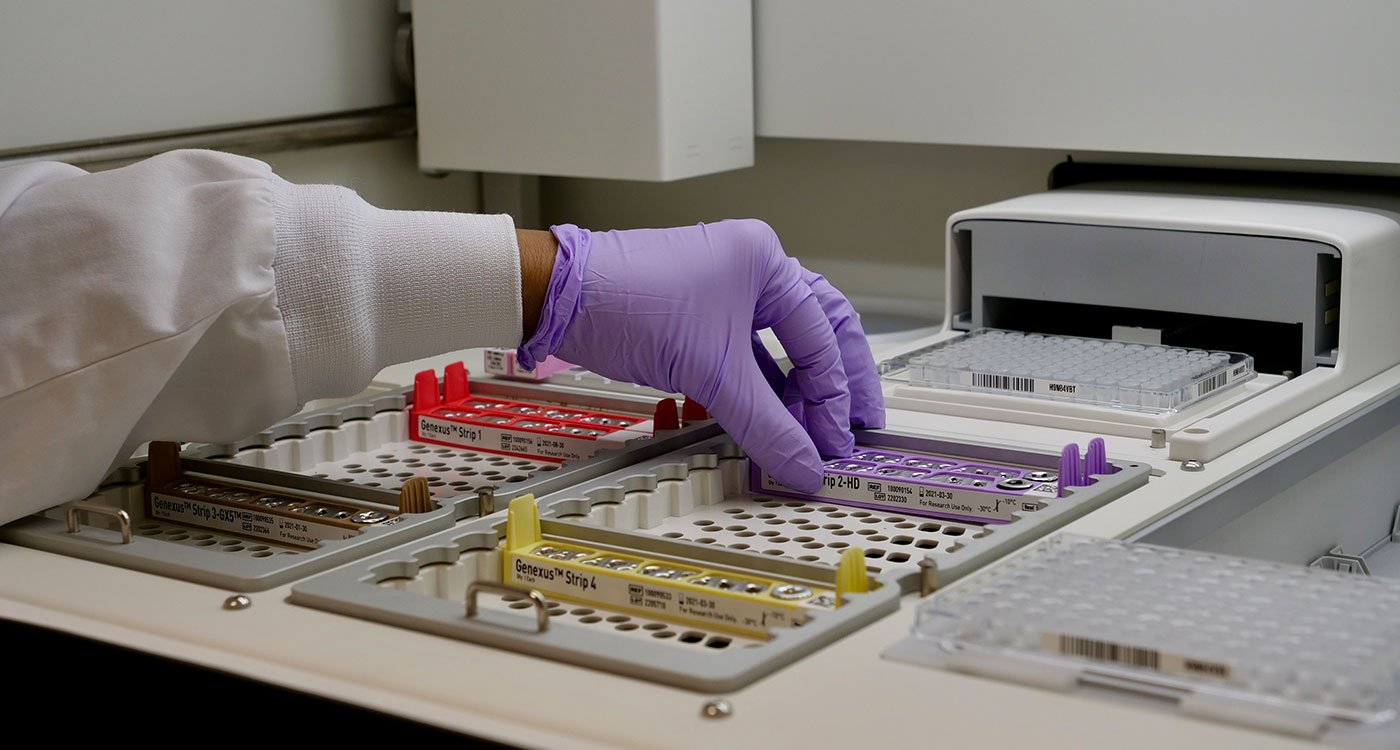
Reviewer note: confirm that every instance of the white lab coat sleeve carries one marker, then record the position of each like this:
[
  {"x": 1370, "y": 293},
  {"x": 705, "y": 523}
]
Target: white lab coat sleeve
[{"x": 196, "y": 296}]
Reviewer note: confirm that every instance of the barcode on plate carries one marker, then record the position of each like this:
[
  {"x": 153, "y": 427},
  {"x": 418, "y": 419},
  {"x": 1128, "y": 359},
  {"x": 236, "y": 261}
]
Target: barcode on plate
[
  {"x": 1003, "y": 382},
  {"x": 1109, "y": 652},
  {"x": 1211, "y": 383},
  {"x": 1116, "y": 653}
]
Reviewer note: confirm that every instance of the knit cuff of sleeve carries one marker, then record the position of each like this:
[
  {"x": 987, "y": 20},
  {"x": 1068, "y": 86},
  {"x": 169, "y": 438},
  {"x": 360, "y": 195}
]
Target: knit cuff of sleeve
[
  {"x": 563, "y": 297},
  {"x": 361, "y": 288}
]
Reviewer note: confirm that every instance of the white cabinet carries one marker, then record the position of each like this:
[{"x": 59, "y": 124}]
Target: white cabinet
[
  {"x": 630, "y": 89},
  {"x": 79, "y": 70},
  {"x": 1281, "y": 79}
]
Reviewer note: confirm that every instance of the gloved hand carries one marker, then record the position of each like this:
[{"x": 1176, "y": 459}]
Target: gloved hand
[{"x": 678, "y": 310}]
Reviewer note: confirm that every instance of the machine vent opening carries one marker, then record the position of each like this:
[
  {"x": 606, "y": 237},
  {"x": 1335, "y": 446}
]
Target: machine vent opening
[{"x": 1276, "y": 347}]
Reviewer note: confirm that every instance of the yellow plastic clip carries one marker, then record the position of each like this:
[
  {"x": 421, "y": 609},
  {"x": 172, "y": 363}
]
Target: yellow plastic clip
[
  {"x": 851, "y": 577},
  {"x": 523, "y": 523}
]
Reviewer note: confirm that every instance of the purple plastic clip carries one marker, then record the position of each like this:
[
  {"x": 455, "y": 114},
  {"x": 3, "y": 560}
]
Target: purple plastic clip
[
  {"x": 1069, "y": 468},
  {"x": 1074, "y": 473},
  {"x": 1095, "y": 459}
]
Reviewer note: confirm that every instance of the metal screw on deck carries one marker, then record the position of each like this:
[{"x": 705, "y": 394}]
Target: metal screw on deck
[
  {"x": 237, "y": 602},
  {"x": 1193, "y": 465},
  {"x": 716, "y": 708}
]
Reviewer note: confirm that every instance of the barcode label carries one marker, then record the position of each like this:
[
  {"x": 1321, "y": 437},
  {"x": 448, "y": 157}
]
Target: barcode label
[
  {"x": 1003, "y": 382},
  {"x": 1133, "y": 656},
  {"x": 1211, "y": 383},
  {"x": 1110, "y": 652}
]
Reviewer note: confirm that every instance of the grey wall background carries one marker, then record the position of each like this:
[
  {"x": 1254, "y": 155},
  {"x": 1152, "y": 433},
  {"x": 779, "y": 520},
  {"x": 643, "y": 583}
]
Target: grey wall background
[
  {"x": 870, "y": 216},
  {"x": 384, "y": 173}
]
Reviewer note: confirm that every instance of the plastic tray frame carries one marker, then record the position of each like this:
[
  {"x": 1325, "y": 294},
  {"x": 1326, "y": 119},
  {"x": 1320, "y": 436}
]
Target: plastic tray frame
[
  {"x": 935, "y": 569},
  {"x": 351, "y": 590},
  {"x": 49, "y": 531},
  {"x": 466, "y": 505}
]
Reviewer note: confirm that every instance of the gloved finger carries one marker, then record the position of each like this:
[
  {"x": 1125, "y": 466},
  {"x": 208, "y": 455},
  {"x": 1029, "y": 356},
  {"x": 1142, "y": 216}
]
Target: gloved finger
[
  {"x": 751, "y": 413},
  {"x": 792, "y": 399},
  {"x": 867, "y": 400},
  {"x": 810, "y": 343},
  {"x": 771, "y": 372},
  {"x": 786, "y": 388}
]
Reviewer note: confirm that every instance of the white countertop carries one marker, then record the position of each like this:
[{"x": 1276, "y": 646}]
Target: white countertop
[{"x": 843, "y": 695}]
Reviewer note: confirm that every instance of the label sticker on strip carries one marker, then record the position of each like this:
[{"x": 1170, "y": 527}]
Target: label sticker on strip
[
  {"x": 496, "y": 363},
  {"x": 557, "y": 448},
  {"x": 246, "y": 522},
  {"x": 608, "y": 591},
  {"x": 901, "y": 496}
]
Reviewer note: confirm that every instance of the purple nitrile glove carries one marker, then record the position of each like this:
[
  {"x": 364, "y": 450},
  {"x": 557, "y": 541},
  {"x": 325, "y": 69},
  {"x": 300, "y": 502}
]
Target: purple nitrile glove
[{"x": 678, "y": 310}]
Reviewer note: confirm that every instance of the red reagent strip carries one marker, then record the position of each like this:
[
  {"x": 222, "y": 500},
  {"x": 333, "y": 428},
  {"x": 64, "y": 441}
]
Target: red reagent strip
[{"x": 518, "y": 428}]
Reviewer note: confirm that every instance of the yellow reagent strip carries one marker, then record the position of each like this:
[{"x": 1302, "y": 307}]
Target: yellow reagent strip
[
  {"x": 522, "y": 523},
  {"x": 745, "y": 603},
  {"x": 851, "y": 577}
]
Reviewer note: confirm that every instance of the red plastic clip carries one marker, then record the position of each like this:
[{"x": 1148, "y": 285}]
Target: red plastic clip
[
  {"x": 454, "y": 383},
  {"x": 666, "y": 416},
  {"x": 425, "y": 390},
  {"x": 692, "y": 411}
]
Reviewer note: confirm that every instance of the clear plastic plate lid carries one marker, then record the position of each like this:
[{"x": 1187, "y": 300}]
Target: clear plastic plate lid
[
  {"x": 1286, "y": 637},
  {"x": 1136, "y": 377}
]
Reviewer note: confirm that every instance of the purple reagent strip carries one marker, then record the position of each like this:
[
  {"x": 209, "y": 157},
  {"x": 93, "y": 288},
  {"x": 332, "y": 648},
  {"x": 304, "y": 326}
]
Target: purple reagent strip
[
  {"x": 933, "y": 471},
  {"x": 1096, "y": 458},
  {"x": 1069, "y": 467}
]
